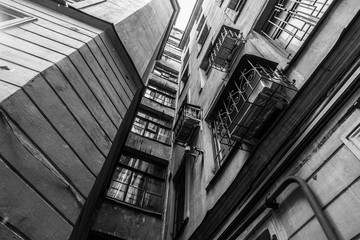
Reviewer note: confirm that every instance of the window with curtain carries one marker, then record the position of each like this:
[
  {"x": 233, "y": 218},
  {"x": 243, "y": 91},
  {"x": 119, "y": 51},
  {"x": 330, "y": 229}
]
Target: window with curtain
[{"x": 138, "y": 182}]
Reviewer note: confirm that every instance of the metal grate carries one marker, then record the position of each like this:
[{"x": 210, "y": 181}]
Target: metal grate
[
  {"x": 291, "y": 21},
  {"x": 246, "y": 108}
]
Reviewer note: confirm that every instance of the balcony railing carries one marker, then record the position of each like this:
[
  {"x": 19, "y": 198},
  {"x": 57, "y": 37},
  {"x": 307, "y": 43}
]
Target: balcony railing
[
  {"x": 246, "y": 107},
  {"x": 225, "y": 45},
  {"x": 187, "y": 123}
]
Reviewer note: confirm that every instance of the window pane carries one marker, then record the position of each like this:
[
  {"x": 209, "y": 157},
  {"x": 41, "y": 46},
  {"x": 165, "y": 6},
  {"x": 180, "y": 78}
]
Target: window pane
[
  {"x": 117, "y": 190},
  {"x": 152, "y": 127},
  {"x": 138, "y": 180},
  {"x": 134, "y": 196},
  {"x": 154, "y": 186},
  {"x": 122, "y": 175},
  {"x": 152, "y": 202},
  {"x": 150, "y": 135}
]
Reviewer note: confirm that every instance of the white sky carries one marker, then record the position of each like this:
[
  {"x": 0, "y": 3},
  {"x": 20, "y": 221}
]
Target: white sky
[{"x": 186, "y": 7}]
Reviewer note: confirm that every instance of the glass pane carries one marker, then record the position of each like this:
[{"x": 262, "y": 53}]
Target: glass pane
[
  {"x": 138, "y": 180},
  {"x": 117, "y": 190},
  {"x": 154, "y": 186},
  {"x": 150, "y": 135},
  {"x": 134, "y": 196},
  {"x": 137, "y": 130},
  {"x": 122, "y": 175},
  {"x": 152, "y": 127},
  {"x": 152, "y": 202}
]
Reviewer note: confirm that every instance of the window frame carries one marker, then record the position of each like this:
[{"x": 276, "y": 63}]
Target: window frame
[
  {"x": 267, "y": 15},
  {"x": 147, "y": 128},
  {"x": 181, "y": 176},
  {"x": 130, "y": 172},
  {"x": 162, "y": 92},
  {"x": 165, "y": 74}
]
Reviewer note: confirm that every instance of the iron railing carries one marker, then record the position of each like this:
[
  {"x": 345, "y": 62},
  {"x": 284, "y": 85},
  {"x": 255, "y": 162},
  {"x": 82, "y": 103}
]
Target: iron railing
[
  {"x": 187, "y": 123},
  {"x": 246, "y": 108}
]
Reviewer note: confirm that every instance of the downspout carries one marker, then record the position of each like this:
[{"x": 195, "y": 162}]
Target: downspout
[{"x": 270, "y": 202}]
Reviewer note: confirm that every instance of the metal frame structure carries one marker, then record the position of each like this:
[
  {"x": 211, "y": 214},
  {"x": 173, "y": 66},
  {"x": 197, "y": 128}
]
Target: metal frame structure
[{"x": 248, "y": 105}]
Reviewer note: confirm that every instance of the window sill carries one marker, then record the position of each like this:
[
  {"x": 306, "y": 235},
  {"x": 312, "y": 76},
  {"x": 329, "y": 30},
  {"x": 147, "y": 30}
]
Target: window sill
[
  {"x": 158, "y": 214},
  {"x": 167, "y": 144},
  {"x": 162, "y": 105}
]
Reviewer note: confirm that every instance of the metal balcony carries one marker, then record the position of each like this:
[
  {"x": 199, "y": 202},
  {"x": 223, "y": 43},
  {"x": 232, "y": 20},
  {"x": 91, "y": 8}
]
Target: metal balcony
[
  {"x": 250, "y": 100},
  {"x": 225, "y": 45},
  {"x": 187, "y": 123}
]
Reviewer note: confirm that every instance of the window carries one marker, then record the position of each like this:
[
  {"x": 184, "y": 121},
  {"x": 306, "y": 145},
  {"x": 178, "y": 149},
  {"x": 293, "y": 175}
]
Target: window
[
  {"x": 201, "y": 23},
  {"x": 173, "y": 56},
  {"x": 181, "y": 182},
  {"x": 222, "y": 144},
  {"x": 152, "y": 127},
  {"x": 233, "y": 4},
  {"x": 166, "y": 73},
  {"x": 186, "y": 59},
  {"x": 184, "y": 80},
  {"x": 290, "y": 22},
  {"x": 160, "y": 95},
  {"x": 179, "y": 185},
  {"x": 138, "y": 182},
  {"x": 206, "y": 62},
  {"x": 10, "y": 17},
  {"x": 204, "y": 34}
]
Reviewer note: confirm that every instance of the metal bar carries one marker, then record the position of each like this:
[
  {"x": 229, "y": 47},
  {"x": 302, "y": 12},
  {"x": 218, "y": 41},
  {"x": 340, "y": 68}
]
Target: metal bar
[
  {"x": 319, "y": 213},
  {"x": 270, "y": 202}
]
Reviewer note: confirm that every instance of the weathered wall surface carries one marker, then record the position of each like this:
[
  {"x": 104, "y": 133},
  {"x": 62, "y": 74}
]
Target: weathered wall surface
[
  {"x": 331, "y": 166},
  {"x": 203, "y": 90},
  {"x": 149, "y": 146},
  {"x": 140, "y": 25},
  {"x": 127, "y": 223},
  {"x": 62, "y": 102}
]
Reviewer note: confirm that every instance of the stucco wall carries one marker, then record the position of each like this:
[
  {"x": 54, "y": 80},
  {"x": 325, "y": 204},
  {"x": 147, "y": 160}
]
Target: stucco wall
[
  {"x": 300, "y": 69},
  {"x": 140, "y": 25}
]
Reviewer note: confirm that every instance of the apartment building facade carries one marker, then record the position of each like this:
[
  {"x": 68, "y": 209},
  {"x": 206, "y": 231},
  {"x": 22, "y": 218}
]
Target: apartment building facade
[
  {"x": 136, "y": 198},
  {"x": 72, "y": 76},
  {"x": 267, "y": 122}
]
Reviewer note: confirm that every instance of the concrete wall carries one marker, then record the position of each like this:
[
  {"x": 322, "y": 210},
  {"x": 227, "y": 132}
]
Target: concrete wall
[
  {"x": 331, "y": 166},
  {"x": 140, "y": 25},
  {"x": 63, "y": 100},
  {"x": 127, "y": 223},
  {"x": 203, "y": 90}
]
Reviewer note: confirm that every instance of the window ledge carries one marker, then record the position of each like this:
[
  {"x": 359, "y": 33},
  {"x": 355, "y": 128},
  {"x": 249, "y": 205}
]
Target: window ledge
[
  {"x": 158, "y": 214},
  {"x": 166, "y": 144}
]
